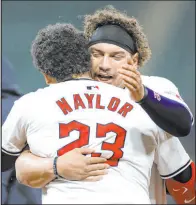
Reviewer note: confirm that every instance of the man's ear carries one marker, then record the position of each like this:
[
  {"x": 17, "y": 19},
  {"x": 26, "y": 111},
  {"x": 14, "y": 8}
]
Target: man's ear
[
  {"x": 135, "y": 58},
  {"x": 48, "y": 79}
]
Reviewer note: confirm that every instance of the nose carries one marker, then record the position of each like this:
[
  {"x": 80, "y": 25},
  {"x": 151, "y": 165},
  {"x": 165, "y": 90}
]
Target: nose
[{"x": 104, "y": 64}]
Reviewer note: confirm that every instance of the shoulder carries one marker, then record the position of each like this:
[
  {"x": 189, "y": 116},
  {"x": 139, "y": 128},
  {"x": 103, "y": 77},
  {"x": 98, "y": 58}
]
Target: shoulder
[
  {"x": 30, "y": 98},
  {"x": 112, "y": 90},
  {"x": 158, "y": 83},
  {"x": 99, "y": 86}
]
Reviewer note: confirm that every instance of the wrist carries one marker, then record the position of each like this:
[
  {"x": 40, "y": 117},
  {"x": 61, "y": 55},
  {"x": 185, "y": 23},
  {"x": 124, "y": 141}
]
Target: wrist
[
  {"x": 55, "y": 168},
  {"x": 49, "y": 168},
  {"x": 144, "y": 97}
]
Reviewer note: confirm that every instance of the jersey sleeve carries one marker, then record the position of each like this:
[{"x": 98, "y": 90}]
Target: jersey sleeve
[
  {"x": 14, "y": 131},
  {"x": 170, "y": 156},
  {"x": 167, "y": 89}
]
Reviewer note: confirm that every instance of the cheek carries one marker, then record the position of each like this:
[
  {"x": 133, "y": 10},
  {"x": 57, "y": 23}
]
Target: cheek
[
  {"x": 94, "y": 65},
  {"x": 115, "y": 66},
  {"x": 118, "y": 78},
  {"x": 118, "y": 82},
  {"x": 118, "y": 64}
]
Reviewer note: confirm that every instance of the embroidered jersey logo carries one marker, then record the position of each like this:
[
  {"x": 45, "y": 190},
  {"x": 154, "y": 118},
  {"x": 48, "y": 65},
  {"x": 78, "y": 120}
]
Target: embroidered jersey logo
[
  {"x": 188, "y": 201},
  {"x": 174, "y": 94},
  {"x": 185, "y": 190},
  {"x": 92, "y": 87},
  {"x": 157, "y": 96},
  {"x": 178, "y": 96}
]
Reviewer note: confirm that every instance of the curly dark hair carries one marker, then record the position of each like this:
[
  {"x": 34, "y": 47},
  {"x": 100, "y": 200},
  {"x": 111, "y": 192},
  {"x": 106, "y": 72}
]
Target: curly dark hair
[
  {"x": 110, "y": 15},
  {"x": 60, "y": 50}
]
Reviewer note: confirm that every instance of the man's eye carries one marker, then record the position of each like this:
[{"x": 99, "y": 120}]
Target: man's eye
[
  {"x": 118, "y": 57},
  {"x": 96, "y": 54}
]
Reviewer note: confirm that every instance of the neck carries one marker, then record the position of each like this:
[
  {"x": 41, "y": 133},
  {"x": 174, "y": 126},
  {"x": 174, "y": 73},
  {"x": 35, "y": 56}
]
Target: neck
[{"x": 83, "y": 75}]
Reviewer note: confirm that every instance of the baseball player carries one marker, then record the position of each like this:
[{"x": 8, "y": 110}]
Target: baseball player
[
  {"x": 111, "y": 33},
  {"x": 76, "y": 116}
]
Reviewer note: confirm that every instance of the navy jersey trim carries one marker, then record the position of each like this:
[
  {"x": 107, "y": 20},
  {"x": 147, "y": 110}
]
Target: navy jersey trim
[
  {"x": 13, "y": 153},
  {"x": 177, "y": 171}
]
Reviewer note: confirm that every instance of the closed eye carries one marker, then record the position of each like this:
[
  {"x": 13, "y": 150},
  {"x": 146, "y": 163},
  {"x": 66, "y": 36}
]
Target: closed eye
[
  {"x": 118, "y": 57},
  {"x": 96, "y": 54}
]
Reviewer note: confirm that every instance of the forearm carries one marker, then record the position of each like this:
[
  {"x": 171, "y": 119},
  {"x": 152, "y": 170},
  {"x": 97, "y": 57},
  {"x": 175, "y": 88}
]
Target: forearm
[
  {"x": 34, "y": 171},
  {"x": 168, "y": 114},
  {"x": 182, "y": 186},
  {"x": 184, "y": 176},
  {"x": 7, "y": 161}
]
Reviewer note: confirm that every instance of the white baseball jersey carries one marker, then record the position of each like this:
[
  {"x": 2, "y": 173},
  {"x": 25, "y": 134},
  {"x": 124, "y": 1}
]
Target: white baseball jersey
[
  {"x": 85, "y": 113},
  {"x": 171, "y": 150}
]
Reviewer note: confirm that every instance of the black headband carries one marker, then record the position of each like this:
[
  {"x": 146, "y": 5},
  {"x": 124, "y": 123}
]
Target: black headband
[{"x": 113, "y": 34}]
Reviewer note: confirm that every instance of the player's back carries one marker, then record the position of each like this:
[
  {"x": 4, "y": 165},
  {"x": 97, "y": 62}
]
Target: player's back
[{"x": 85, "y": 113}]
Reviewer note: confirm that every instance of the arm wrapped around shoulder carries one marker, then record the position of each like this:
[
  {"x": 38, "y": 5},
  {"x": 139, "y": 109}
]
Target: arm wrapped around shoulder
[
  {"x": 169, "y": 114},
  {"x": 183, "y": 192}
]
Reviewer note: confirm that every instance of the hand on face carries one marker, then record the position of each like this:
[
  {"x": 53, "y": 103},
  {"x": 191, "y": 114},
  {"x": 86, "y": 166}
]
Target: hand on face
[{"x": 132, "y": 80}]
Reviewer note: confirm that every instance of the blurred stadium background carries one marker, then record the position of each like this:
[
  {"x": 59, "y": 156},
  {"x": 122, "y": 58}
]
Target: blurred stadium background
[{"x": 169, "y": 25}]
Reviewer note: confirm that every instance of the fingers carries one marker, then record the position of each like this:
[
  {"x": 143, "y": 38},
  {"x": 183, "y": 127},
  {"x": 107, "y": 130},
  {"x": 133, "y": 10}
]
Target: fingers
[
  {"x": 131, "y": 77},
  {"x": 130, "y": 87},
  {"x": 94, "y": 167},
  {"x": 85, "y": 150},
  {"x": 130, "y": 74},
  {"x": 130, "y": 68},
  {"x": 93, "y": 178},
  {"x": 131, "y": 82},
  {"x": 98, "y": 172},
  {"x": 133, "y": 59},
  {"x": 130, "y": 71},
  {"x": 95, "y": 160}
]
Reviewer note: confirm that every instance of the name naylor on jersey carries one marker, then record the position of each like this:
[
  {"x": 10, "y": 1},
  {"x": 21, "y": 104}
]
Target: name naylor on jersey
[{"x": 113, "y": 105}]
